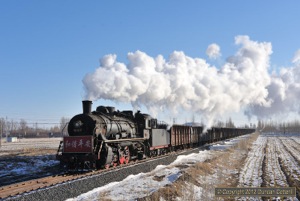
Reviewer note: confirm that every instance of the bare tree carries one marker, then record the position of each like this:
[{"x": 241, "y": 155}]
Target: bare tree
[
  {"x": 2, "y": 128},
  {"x": 14, "y": 126},
  {"x": 229, "y": 123},
  {"x": 2, "y": 125},
  {"x": 55, "y": 129},
  {"x": 63, "y": 123},
  {"x": 219, "y": 124},
  {"x": 23, "y": 126}
]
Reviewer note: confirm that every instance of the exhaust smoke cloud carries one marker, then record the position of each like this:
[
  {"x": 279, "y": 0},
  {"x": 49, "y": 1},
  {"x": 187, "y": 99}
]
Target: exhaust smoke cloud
[{"x": 191, "y": 84}]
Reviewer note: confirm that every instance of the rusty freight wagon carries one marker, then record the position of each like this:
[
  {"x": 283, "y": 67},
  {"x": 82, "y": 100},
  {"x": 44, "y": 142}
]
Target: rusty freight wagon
[
  {"x": 196, "y": 134},
  {"x": 180, "y": 136}
]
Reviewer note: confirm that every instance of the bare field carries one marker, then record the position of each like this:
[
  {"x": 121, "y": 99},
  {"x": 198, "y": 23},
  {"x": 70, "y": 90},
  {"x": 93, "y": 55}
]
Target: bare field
[
  {"x": 274, "y": 161},
  {"x": 31, "y": 146}
]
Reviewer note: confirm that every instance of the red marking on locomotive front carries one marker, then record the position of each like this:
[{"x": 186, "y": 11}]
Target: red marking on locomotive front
[{"x": 78, "y": 144}]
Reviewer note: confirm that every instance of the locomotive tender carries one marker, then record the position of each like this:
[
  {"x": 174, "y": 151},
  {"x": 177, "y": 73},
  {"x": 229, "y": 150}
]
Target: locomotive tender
[{"x": 106, "y": 138}]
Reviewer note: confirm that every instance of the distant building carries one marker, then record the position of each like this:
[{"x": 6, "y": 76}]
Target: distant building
[{"x": 11, "y": 139}]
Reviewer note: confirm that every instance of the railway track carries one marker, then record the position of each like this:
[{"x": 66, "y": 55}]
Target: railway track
[
  {"x": 31, "y": 185},
  {"x": 45, "y": 182}
]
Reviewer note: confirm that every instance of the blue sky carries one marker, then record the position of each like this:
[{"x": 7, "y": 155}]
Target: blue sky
[{"x": 47, "y": 47}]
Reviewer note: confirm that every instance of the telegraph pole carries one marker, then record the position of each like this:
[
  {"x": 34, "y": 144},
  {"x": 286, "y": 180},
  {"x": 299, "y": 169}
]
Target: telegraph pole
[
  {"x": 6, "y": 129},
  {"x": 0, "y": 138},
  {"x": 3, "y": 124}
]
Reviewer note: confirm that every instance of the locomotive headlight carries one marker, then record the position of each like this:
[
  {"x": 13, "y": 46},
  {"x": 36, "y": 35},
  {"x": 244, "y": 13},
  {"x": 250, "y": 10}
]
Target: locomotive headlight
[{"x": 78, "y": 124}]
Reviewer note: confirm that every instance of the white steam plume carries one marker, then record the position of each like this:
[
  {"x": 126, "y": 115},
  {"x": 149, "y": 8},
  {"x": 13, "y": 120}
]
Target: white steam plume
[
  {"x": 213, "y": 51},
  {"x": 296, "y": 58},
  {"x": 191, "y": 84},
  {"x": 283, "y": 93}
]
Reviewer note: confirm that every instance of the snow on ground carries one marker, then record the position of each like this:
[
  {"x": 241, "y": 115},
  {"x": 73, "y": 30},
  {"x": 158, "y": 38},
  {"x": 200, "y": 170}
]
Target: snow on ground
[
  {"x": 251, "y": 173},
  {"x": 271, "y": 155},
  {"x": 291, "y": 149},
  {"x": 25, "y": 166},
  {"x": 274, "y": 174},
  {"x": 288, "y": 158},
  {"x": 27, "y": 158},
  {"x": 144, "y": 184}
]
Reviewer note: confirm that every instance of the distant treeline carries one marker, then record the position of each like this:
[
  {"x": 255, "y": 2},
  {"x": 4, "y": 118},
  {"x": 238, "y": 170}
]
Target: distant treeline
[
  {"x": 285, "y": 127},
  {"x": 29, "y": 130},
  {"x": 24, "y": 129}
]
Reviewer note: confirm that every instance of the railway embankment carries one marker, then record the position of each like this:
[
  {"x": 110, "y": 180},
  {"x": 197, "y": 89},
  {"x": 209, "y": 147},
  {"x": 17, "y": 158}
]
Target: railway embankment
[{"x": 77, "y": 187}]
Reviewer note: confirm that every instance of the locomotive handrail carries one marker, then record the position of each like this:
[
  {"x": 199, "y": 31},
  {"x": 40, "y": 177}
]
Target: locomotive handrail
[
  {"x": 62, "y": 130},
  {"x": 60, "y": 148},
  {"x": 99, "y": 152},
  {"x": 122, "y": 140}
]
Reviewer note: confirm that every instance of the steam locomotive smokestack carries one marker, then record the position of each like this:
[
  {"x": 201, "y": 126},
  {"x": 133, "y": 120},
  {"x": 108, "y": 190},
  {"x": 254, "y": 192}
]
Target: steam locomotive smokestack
[{"x": 87, "y": 106}]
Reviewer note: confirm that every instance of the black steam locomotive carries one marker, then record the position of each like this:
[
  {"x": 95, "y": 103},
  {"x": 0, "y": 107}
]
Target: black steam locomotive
[{"x": 106, "y": 138}]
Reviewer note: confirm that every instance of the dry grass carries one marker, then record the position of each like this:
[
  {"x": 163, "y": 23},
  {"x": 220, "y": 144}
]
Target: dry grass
[
  {"x": 181, "y": 188},
  {"x": 103, "y": 196},
  {"x": 246, "y": 144},
  {"x": 201, "y": 169}
]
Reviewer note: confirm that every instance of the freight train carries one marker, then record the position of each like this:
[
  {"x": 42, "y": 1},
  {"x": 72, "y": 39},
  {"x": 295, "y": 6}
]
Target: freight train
[{"x": 106, "y": 138}]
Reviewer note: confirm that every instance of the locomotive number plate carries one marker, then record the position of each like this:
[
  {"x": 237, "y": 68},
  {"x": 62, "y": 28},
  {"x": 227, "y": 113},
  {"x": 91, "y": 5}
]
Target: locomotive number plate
[{"x": 78, "y": 144}]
